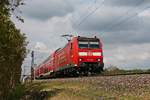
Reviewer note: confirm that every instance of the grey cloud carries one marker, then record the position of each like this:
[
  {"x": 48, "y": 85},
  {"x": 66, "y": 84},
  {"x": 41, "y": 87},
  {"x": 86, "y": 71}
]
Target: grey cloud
[
  {"x": 101, "y": 19},
  {"x": 130, "y": 3},
  {"x": 125, "y": 37},
  {"x": 43, "y": 10},
  {"x": 118, "y": 26},
  {"x": 108, "y": 18},
  {"x": 134, "y": 55}
]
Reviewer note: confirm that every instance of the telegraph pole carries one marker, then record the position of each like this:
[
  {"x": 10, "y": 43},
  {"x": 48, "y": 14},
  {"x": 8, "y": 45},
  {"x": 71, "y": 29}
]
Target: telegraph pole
[{"x": 32, "y": 65}]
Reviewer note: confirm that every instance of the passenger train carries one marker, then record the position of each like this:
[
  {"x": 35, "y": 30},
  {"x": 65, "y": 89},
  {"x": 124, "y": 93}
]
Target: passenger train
[{"x": 80, "y": 56}]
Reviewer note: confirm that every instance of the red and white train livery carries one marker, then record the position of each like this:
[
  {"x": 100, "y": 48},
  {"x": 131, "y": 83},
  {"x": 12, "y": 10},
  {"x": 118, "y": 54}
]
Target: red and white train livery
[{"x": 81, "y": 55}]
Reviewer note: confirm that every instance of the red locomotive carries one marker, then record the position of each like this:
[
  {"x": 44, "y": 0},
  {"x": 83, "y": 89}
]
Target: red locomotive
[{"x": 81, "y": 55}]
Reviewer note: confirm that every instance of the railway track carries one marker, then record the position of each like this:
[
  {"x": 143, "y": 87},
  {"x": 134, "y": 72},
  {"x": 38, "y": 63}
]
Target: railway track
[{"x": 93, "y": 76}]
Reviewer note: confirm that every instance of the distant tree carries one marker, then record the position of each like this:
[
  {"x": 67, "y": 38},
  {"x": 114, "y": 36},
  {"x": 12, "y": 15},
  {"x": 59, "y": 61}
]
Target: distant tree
[
  {"x": 112, "y": 68},
  {"x": 12, "y": 49}
]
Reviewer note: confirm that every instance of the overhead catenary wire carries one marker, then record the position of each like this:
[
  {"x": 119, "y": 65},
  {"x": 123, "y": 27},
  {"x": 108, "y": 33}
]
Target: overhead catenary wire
[
  {"x": 92, "y": 12},
  {"x": 112, "y": 25},
  {"x": 132, "y": 16},
  {"x": 89, "y": 8},
  {"x": 119, "y": 20}
]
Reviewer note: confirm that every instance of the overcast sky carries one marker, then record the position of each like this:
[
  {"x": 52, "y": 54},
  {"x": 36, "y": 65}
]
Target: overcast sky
[{"x": 123, "y": 26}]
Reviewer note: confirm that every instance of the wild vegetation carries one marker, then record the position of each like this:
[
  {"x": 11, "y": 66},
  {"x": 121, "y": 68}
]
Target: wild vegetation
[
  {"x": 12, "y": 49},
  {"x": 113, "y": 70}
]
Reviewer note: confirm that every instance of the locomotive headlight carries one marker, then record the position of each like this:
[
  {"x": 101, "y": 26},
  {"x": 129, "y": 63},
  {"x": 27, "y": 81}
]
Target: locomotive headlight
[
  {"x": 98, "y": 59},
  {"x": 75, "y": 65},
  {"x": 97, "y": 54},
  {"x": 82, "y": 53},
  {"x": 80, "y": 59}
]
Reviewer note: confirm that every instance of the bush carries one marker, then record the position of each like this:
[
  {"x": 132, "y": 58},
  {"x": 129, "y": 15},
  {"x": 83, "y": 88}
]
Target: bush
[
  {"x": 17, "y": 93},
  {"x": 113, "y": 70}
]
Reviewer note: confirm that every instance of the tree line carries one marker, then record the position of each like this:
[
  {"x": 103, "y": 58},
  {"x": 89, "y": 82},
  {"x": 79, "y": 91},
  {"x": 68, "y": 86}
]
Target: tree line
[{"x": 12, "y": 49}]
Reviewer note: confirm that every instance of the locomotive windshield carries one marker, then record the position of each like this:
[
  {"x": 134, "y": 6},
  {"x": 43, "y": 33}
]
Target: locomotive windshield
[
  {"x": 94, "y": 44},
  {"x": 83, "y": 44},
  {"x": 88, "y": 44}
]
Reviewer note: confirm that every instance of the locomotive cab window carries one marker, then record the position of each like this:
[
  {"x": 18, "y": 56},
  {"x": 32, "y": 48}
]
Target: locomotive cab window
[
  {"x": 94, "y": 44},
  {"x": 88, "y": 44},
  {"x": 83, "y": 44}
]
